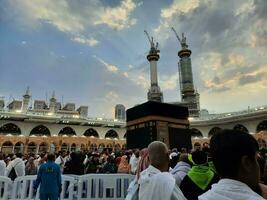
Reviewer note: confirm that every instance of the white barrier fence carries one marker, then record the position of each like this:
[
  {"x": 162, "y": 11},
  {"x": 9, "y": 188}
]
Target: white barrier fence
[{"x": 89, "y": 186}]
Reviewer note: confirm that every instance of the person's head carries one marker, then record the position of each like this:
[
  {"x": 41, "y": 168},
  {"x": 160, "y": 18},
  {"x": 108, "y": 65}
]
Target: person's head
[
  {"x": 51, "y": 157},
  {"x": 183, "y": 150},
  {"x": 143, "y": 163},
  {"x": 7, "y": 160},
  {"x": 74, "y": 156},
  {"x": 234, "y": 156},
  {"x": 42, "y": 155},
  {"x": 30, "y": 160},
  {"x": 206, "y": 144},
  {"x": 158, "y": 155},
  {"x": 199, "y": 157},
  {"x": 136, "y": 153},
  {"x": 19, "y": 155},
  {"x": 59, "y": 153},
  {"x": 95, "y": 157},
  {"x": 184, "y": 158},
  {"x": 174, "y": 159}
]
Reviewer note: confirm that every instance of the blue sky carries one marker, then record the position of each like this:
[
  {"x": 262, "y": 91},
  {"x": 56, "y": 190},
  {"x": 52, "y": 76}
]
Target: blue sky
[{"x": 94, "y": 52}]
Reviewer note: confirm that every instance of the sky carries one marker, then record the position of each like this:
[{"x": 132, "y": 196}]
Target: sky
[{"x": 93, "y": 52}]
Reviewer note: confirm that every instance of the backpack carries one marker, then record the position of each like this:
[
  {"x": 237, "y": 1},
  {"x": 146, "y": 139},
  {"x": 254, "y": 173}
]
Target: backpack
[{"x": 12, "y": 175}]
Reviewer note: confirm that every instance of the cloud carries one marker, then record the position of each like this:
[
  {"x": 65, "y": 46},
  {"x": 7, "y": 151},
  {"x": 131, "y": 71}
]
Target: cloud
[
  {"x": 58, "y": 13},
  {"x": 169, "y": 82},
  {"x": 236, "y": 59},
  {"x": 254, "y": 76},
  {"x": 180, "y": 7},
  {"x": 126, "y": 74},
  {"x": 216, "y": 85},
  {"x": 118, "y": 17},
  {"x": 247, "y": 79},
  {"x": 258, "y": 38},
  {"x": 112, "y": 96},
  {"x": 87, "y": 41},
  {"x": 227, "y": 40},
  {"x": 245, "y": 8},
  {"x": 73, "y": 17},
  {"x": 109, "y": 67}
]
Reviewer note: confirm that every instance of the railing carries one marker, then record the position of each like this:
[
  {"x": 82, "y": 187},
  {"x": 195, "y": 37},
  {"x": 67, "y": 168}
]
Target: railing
[
  {"x": 260, "y": 109},
  {"x": 89, "y": 186}
]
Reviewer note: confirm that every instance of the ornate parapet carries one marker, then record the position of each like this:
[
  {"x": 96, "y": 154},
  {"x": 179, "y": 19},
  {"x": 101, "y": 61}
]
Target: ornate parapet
[{"x": 38, "y": 144}]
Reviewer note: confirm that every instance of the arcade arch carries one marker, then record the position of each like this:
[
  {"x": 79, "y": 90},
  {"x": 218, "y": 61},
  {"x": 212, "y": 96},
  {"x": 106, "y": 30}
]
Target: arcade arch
[
  {"x": 67, "y": 131},
  {"x": 240, "y": 127},
  {"x": 32, "y": 147},
  {"x": 19, "y": 147},
  {"x": 196, "y": 133},
  {"x": 262, "y": 143},
  {"x": 43, "y": 147},
  {"x": 262, "y": 126},
  {"x": 213, "y": 131},
  {"x": 73, "y": 147},
  {"x": 111, "y": 134},
  {"x": 40, "y": 130},
  {"x": 93, "y": 147},
  {"x": 10, "y": 128},
  {"x": 7, "y": 147},
  {"x": 91, "y": 132}
]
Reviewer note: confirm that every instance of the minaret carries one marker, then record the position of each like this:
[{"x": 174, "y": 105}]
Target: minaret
[
  {"x": 188, "y": 94},
  {"x": 154, "y": 93},
  {"x": 52, "y": 104},
  {"x": 26, "y": 100}
]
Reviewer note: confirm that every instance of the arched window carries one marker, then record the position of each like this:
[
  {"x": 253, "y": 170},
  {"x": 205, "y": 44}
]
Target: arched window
[
  {"x": 101, "y": 147},
  {"x": 43, "y": 147},
  {"x": 83, "y": 147},
  {"x": 7, "y": 147},
  {"x": 262, "y": 143},
  {"x": 67, "y": 131},
  {"x": 111, "y": 134},
  {"x": 240, "y": 127},
  {"x": 262, "y": 126},
  {"x": 10, "y": 128},
  {"x": 31, "y": 147},
  {"x": 213, "y": 131},
  {"x": 18, "y": 147},
  {"x": 73, "y": 147},
  {"x": 93, "y": 147},
  {"x": 91, "y": 132},
  {"x": 40, "y": 130},
  {"x": 125, "y": 135},
  {"x": 196, "y": 133}
]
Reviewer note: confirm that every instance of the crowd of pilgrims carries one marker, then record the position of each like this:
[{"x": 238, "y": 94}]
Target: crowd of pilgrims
[
  {"x": 77, "y": 163},
  {"x": 191, "y": 175}
]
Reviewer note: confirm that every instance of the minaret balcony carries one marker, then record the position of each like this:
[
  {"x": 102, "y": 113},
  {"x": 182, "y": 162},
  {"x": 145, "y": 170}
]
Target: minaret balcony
[
  {"x": 151, "y": 57},
  {"x": 184, "y": 52}
]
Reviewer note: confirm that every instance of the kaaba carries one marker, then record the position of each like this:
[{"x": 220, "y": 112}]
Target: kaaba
[{"x": 164, "y": 122}]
